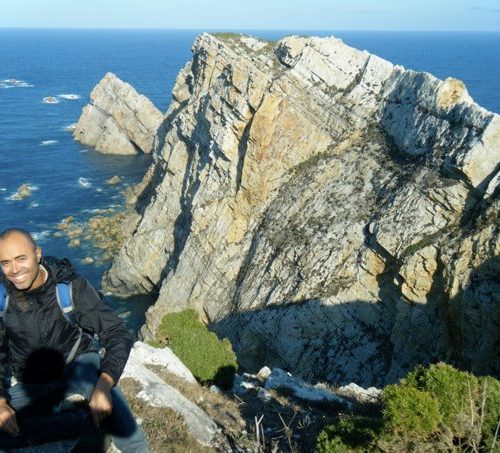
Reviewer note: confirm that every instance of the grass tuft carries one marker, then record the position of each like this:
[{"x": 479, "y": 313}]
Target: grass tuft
[{"x": 212, "y": 361}]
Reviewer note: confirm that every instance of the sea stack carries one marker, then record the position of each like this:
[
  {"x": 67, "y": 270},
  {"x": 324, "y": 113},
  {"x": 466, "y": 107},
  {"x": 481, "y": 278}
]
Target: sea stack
[{"x": 118, "y": 120}]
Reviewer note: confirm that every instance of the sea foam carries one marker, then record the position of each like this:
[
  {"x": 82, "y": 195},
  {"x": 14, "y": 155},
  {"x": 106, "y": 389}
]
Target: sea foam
[
  {"x": 48, "y": 142},
  {"x": 14, "y": 83},
  {"x": 69, "y": 97},
  {"x": 84, "y": 182},
  {"x": 41, "y": 235}
]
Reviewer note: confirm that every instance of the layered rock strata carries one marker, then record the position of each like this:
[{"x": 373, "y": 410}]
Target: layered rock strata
[
  {"x": 118, "y": 120},
  {"x": 329, "y": 212}
]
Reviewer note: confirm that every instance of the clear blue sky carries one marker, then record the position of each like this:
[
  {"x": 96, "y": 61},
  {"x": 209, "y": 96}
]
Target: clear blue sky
[{"x": 442, "y": 15}]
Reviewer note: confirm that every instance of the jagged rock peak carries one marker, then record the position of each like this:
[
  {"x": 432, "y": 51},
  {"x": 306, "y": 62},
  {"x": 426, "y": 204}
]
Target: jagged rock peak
[
  {"x": 329, "y": 212},
  {"x": 118, "y": 120}
]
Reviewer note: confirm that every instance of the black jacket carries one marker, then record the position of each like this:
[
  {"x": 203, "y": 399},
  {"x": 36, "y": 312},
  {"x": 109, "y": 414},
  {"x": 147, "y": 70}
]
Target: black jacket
[{"x": 33, "y": 323}]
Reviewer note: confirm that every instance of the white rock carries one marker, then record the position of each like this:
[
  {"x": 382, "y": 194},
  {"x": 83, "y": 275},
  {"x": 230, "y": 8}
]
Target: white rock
[
  {"x": 264, "y": 372},
  {"x": 164, "y": 357},
  {"x": 282, "y": 380},
  {"x": 264, "y": 395},
  {"x": 370, "y": 395}
]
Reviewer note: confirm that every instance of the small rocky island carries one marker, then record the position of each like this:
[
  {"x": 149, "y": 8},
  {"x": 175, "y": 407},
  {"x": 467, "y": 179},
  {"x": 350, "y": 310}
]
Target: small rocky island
[{"x": 331, "y": 213}]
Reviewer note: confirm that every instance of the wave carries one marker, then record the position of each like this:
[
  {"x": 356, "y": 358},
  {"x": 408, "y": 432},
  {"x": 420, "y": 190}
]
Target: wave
[
  {"x": 3, "y": 189},
  {"x": 69, "y": 97},
  {"x": 84, "y": 182},
  {"x": 14, "y": 83},
  {"x": 97, "y": 211},
  {"x": 70, "y": 128},
  {"x": 34, "y": 204},
  {"x": 48, "y": 142},
  {"x": 41, "y": 235}
]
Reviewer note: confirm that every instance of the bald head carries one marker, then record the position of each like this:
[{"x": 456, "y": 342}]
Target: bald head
[{"x": 9, "y": 231}]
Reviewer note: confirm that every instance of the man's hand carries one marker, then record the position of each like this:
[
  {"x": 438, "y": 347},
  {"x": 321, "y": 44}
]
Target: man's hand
[
  {"x": 8, "y": 421},
  {"x": 100, "y": 403}
]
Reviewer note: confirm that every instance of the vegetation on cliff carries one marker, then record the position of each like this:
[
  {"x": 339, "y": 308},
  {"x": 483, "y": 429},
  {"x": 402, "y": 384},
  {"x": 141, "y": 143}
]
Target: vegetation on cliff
[
  {"x": 438, "y": 408},
  {"x": 209, "y": 359}
]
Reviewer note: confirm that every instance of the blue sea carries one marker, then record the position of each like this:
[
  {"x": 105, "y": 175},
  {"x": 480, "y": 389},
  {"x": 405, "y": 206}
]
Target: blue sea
[{"x": 69, "y": 179}]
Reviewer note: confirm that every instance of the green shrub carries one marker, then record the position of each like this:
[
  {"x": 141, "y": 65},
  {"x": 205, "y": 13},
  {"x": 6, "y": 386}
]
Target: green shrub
[
  {"x": 456, "y": 392},
  {"x": 409, "y": 412},
  {"x": 437, "y": 408},
  {"x": 490, "y": 394},
  {"x": 210, "y": 360},
  {"x": 350, "y": 433},
  {"x": 326, "y": 443}
]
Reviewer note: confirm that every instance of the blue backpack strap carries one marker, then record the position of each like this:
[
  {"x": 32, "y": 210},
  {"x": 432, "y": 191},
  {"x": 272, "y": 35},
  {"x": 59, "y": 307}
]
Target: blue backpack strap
[
  {"x": 64, "y": 293},
  {"x": 3, "y": 299}
]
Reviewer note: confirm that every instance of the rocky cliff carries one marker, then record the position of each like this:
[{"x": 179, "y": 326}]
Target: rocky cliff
[
  {"x": 329, "y": 212},
  {"x": 118, "y": 120}
]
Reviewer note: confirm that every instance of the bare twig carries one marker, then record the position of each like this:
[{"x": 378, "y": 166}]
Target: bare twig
[
  {"x": 258, "y": 429},
  {"x": 287, "y": 430},
  {"x": 495, "y": 437},
  {"x": 239, "y": 402},
  {"x": 471, "y": 401}
]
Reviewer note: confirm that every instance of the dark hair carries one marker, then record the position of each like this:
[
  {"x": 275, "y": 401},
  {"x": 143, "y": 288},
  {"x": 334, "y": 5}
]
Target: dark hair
[{"x": 6, "y": 233}]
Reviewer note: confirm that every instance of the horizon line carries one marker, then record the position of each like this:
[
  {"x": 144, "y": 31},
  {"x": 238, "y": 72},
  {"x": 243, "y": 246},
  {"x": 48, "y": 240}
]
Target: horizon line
[{"x": 246, "y": 29}]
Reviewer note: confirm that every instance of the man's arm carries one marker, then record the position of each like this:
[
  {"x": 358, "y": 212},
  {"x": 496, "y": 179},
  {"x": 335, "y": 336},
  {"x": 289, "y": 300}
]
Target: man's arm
[
  {"x": 100, "y": 403},
  {"x": 94, "y": 316},
  {"x": 8, "y": 421}
]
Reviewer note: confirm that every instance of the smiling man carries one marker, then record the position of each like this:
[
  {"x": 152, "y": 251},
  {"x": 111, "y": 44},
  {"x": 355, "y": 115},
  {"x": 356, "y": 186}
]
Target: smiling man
[{"x": 49, "y": 361}]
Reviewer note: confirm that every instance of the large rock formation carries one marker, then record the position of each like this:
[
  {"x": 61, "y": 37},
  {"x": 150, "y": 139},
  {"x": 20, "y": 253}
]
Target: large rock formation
[
  {"x": 332, "y": 214},
  {"x": 118, "y": 120}
]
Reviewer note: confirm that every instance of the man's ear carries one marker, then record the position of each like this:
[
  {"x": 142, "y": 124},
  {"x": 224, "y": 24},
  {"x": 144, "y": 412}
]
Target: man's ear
[{"x": 38, "y": 252}]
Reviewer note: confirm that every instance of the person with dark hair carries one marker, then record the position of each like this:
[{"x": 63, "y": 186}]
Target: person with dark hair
[{"x": 52, "y": 377}]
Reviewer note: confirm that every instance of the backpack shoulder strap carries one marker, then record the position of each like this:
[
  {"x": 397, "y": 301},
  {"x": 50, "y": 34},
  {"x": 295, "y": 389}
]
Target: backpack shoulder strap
[
  {"x": 64, "y": 293},
  {"x": 4, "y": 299}
]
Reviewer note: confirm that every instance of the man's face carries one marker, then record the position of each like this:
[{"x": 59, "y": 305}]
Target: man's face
[{"x": 19, "y": 261}]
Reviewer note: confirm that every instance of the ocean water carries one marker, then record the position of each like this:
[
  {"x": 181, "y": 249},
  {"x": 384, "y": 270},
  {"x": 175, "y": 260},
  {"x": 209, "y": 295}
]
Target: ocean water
[{"x": 67, "y": 178}]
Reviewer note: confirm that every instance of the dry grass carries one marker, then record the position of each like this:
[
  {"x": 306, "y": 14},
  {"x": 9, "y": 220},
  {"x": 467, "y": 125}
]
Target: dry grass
[
  {"x": 164, "y": 428},
  {"x": 223, "y": 410},
  {"x": 249, "y": 423},
  {"x": 252, "y": 424}
]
